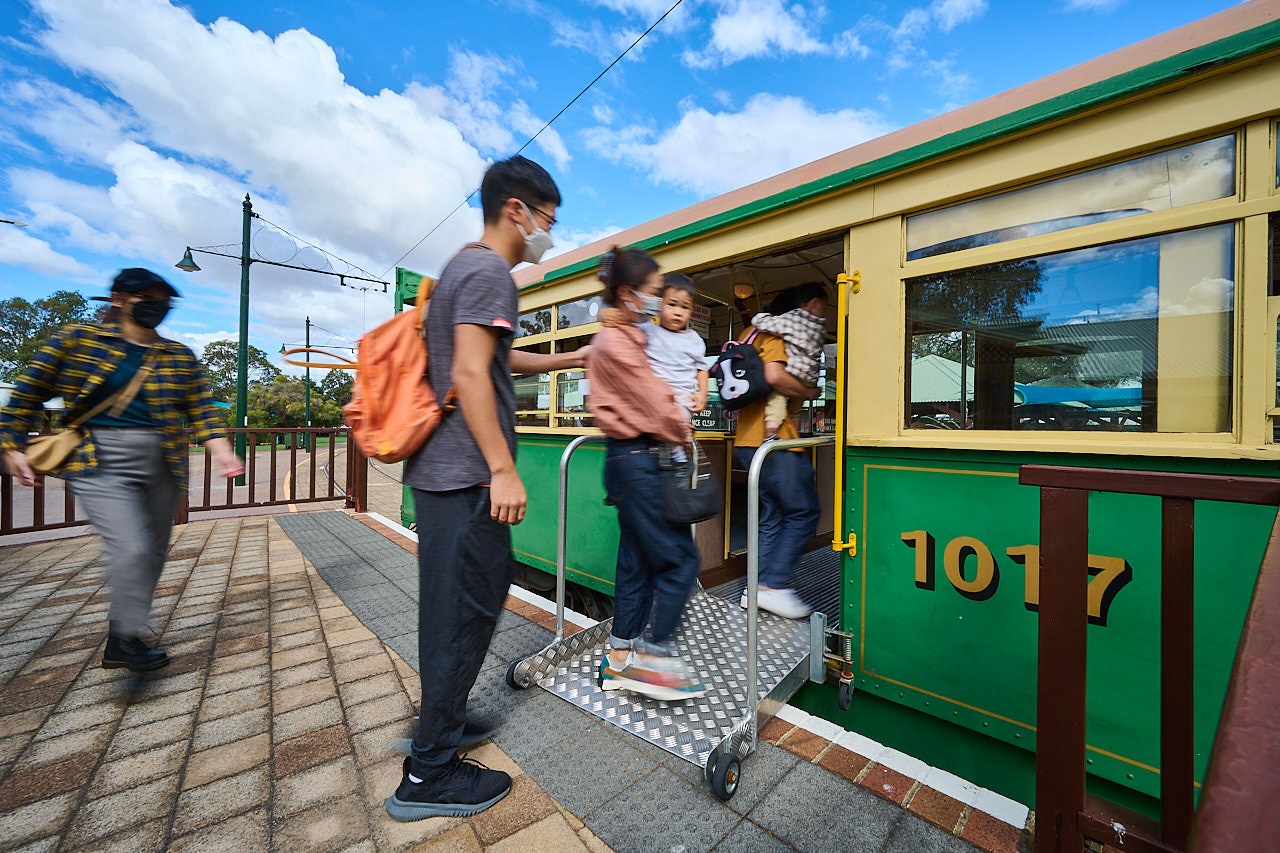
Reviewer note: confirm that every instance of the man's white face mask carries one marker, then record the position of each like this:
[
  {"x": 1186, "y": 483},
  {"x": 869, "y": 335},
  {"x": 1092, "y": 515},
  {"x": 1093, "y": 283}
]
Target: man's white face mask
[{"x": 537, "y": 242}]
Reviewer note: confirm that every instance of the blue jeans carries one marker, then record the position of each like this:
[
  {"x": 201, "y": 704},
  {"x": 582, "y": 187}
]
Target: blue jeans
[
  {"x": 657, "y": 560},
  {"x": 788, "y": 512}
]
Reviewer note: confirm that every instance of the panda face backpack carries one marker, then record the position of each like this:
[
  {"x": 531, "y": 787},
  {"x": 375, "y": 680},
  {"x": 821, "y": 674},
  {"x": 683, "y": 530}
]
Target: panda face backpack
[{"x": 739, "y": 374}]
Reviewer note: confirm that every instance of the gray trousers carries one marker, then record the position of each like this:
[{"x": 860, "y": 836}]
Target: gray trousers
[{"x": 130, "y": 499}]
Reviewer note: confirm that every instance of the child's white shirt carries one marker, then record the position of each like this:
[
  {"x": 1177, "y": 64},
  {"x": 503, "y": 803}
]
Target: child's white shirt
[{"x": 676, "y": 358}]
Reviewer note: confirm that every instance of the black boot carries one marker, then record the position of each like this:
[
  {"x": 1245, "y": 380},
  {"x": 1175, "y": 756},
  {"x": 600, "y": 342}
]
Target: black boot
[{"x": 133, "y": 654}]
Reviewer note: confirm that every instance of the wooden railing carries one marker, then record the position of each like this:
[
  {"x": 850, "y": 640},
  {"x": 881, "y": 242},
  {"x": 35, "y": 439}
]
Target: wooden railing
[
  {"x": 279, "y": 471},
  {"x": 1065, "y": 816}
]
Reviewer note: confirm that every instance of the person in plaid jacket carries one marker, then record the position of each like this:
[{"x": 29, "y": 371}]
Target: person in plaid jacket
[{"x": 130, "y": 469}]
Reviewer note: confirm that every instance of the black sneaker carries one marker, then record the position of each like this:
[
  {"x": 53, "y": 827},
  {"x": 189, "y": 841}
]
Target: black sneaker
[
  {"x": 462, "y": 787},
  {"x": 133, "y": 654}
]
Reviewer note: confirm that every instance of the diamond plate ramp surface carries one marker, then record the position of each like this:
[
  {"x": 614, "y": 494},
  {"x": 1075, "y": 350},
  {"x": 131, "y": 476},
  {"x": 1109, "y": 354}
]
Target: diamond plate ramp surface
[{"x": 713, "y": 640}]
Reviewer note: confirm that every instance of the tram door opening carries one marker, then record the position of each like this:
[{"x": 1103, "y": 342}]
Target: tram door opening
[{"x": 729, "y": 297}]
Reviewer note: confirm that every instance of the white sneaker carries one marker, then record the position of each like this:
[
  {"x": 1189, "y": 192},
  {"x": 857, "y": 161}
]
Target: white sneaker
[{"x": 783, "y": 602}]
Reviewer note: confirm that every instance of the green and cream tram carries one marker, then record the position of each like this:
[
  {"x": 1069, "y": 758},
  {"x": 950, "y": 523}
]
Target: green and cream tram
[{"x": 1082, "y": 271}]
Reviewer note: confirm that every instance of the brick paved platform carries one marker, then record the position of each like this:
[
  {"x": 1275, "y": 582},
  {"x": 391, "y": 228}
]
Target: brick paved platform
[
  {"x": 271, "y": 730},
  {"x": 294, "y": 669}
]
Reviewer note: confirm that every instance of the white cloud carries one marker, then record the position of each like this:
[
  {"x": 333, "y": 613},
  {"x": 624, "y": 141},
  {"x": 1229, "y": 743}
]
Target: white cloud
[
  {"x": 20, "y": 248},
  {"x": 849, "y": 44},
  {"x": 1093, "y": 5},
  {"x": 174, "y": 120},
  {"x": 948, "y": 14},
  {"x": 708, "y": 152},
  {"x": 743, "y": 29},
  {"x": 468, "y": 101}
]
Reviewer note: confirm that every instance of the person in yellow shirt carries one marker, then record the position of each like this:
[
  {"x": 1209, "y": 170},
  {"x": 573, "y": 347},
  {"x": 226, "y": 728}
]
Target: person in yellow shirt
[{"x": 788, "y": 495}]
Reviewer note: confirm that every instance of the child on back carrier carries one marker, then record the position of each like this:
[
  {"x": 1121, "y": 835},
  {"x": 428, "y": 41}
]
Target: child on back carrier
[{"x": 803, "y": 335}]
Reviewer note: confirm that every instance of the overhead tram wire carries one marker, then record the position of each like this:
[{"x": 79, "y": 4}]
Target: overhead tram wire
[
  {"x": 309, "y": 244},
  {"x": 530, "y": 140}
]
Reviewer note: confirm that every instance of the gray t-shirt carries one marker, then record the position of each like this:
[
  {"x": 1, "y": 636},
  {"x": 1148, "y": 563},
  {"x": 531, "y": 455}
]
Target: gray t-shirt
[
  {"x": 476, "y": 288},
  {"x": 676, "y": 358}
]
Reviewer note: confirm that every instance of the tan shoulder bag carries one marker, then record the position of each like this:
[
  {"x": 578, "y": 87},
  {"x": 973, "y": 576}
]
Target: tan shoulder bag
[{"x": 48, "y": 453}]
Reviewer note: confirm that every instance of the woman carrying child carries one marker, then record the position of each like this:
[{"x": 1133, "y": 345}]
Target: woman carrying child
[
  {"x": 788, "y": 496},
  {"x": 803, "y": 335},
  {"x": 639, "y": 413}
]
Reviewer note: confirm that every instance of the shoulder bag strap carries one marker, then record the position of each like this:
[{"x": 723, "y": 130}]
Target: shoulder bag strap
[{"x": 120, "y": 400}]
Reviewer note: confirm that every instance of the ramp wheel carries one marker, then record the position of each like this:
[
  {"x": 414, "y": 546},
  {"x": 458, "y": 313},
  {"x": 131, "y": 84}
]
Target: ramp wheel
[
  {"x": 517, "y": 680},
  {"x": 846, "y": 695},
  {"x": 724, "y": 779}
]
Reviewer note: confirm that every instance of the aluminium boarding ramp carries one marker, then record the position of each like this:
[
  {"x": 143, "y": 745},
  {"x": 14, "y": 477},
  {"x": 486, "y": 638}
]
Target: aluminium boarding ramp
[{"x": 751, "y": 663}]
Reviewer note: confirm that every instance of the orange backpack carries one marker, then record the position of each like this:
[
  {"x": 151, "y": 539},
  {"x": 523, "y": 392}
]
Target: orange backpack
[{"x": 393, "y": 409}]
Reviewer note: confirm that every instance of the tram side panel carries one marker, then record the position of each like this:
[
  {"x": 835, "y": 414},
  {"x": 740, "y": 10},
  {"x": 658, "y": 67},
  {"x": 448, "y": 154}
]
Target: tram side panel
[
  {"x": 592, "y": 526},
  {"x": 942, "y": 598}
]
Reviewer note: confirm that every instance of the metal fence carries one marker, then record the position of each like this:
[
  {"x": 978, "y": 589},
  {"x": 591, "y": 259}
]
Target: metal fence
[{"x": 282, "y": 467}]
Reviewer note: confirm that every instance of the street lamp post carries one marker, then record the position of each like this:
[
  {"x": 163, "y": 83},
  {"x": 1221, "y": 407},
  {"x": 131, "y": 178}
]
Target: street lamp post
[
  {"x": 306, "y": 394},
  {"x": 188, "y": 264},
  {"x": 242, "y": 349}
]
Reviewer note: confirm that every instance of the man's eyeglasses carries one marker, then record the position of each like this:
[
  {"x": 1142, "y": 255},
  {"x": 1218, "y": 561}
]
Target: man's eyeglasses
[{"x": 551, "y": 220}]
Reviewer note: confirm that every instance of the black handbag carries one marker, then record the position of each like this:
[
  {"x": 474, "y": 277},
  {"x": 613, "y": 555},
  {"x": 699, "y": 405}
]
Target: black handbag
[
  {"x": 739, "y": 374},
  {"x": 689, "y": 493}
]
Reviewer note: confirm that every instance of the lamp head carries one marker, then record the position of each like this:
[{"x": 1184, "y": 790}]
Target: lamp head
[
  {"x": 187, "y": 264},
  {"x": 743, "y": 290}
]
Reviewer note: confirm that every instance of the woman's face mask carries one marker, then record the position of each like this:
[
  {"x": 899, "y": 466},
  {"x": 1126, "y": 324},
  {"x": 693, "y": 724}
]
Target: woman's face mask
[
  {"x": 647, "y": 304},
  {"x": 149, "y": 313}
]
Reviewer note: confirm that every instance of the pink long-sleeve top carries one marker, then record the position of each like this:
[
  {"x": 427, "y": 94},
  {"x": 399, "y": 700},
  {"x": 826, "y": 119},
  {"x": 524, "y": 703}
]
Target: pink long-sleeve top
[{"x": 627, "y": 399}]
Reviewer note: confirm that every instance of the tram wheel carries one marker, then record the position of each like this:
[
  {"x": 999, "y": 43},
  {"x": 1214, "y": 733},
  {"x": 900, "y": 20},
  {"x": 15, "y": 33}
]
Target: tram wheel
[
  {"x": 517, "y": 680},
  {"x": 846, "y": 695},
  {"x": 724, "y": 779}
]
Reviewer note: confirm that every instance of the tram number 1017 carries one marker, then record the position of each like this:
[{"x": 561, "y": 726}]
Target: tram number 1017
[{"x": 972, "y": 569}]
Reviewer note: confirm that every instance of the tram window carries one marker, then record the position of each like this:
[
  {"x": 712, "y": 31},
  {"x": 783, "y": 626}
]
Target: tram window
[
  {"x": 1132, "y": 336},
  {"x": 579, "y": 313},
  {"x": 533, "y": 399},
  {"x": 536, "y": 322},
  {"x": 1188, "y": 175}
]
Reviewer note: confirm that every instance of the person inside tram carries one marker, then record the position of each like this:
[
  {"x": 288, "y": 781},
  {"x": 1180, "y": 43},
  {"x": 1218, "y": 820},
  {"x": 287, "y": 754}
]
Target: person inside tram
[
  {"x": 803, "y": 335},
  {"x": 657, "y": 560},
  {"x": 788, "y": 495}
]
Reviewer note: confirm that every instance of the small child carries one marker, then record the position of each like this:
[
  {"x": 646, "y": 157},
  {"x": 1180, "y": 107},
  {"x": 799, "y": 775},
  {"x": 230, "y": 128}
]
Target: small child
[
  {"x": 803, "y": 335},
  {"x": 676, "y": 353}
]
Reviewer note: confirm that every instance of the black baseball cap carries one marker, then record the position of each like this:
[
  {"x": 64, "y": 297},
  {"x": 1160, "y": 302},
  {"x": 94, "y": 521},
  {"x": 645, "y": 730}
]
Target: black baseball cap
[{"x": 135, "y": 279}]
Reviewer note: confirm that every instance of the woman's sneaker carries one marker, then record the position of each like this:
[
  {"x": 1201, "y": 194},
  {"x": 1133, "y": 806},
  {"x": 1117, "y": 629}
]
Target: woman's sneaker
[
  {"x": 784, "y": 602},
  {"x": 665, "y": 681},
  {"x": 462, "y": 787}
]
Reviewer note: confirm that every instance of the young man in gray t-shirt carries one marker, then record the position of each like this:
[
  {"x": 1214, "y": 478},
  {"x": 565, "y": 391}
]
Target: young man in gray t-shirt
[{"x": 465, "y": 486}]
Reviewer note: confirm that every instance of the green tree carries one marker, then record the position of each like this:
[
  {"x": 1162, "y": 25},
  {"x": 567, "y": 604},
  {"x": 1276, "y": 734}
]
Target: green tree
[
  {"x": 219, "y": 359},
  {"x": 337, "y": 385},
  {"x": 282, "y": 403},
  {"x": 26, "y": 325}
]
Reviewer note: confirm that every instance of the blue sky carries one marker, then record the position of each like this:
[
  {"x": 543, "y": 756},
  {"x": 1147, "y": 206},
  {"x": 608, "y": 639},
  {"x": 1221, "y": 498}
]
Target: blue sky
[{"x": 133, "y": 128}]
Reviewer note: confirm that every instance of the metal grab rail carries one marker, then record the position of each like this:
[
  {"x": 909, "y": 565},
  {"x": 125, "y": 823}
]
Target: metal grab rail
[
  {"x": 562, "y": 526},
  {"x": 753, "y": 560}
]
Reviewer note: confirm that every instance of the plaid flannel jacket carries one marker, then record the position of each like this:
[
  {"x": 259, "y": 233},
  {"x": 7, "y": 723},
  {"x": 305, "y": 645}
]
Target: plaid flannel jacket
[{"x": 78, "y": 359}]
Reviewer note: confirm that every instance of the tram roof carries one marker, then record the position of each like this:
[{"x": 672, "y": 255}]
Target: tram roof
[{"x": 1228, "y": 36}]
